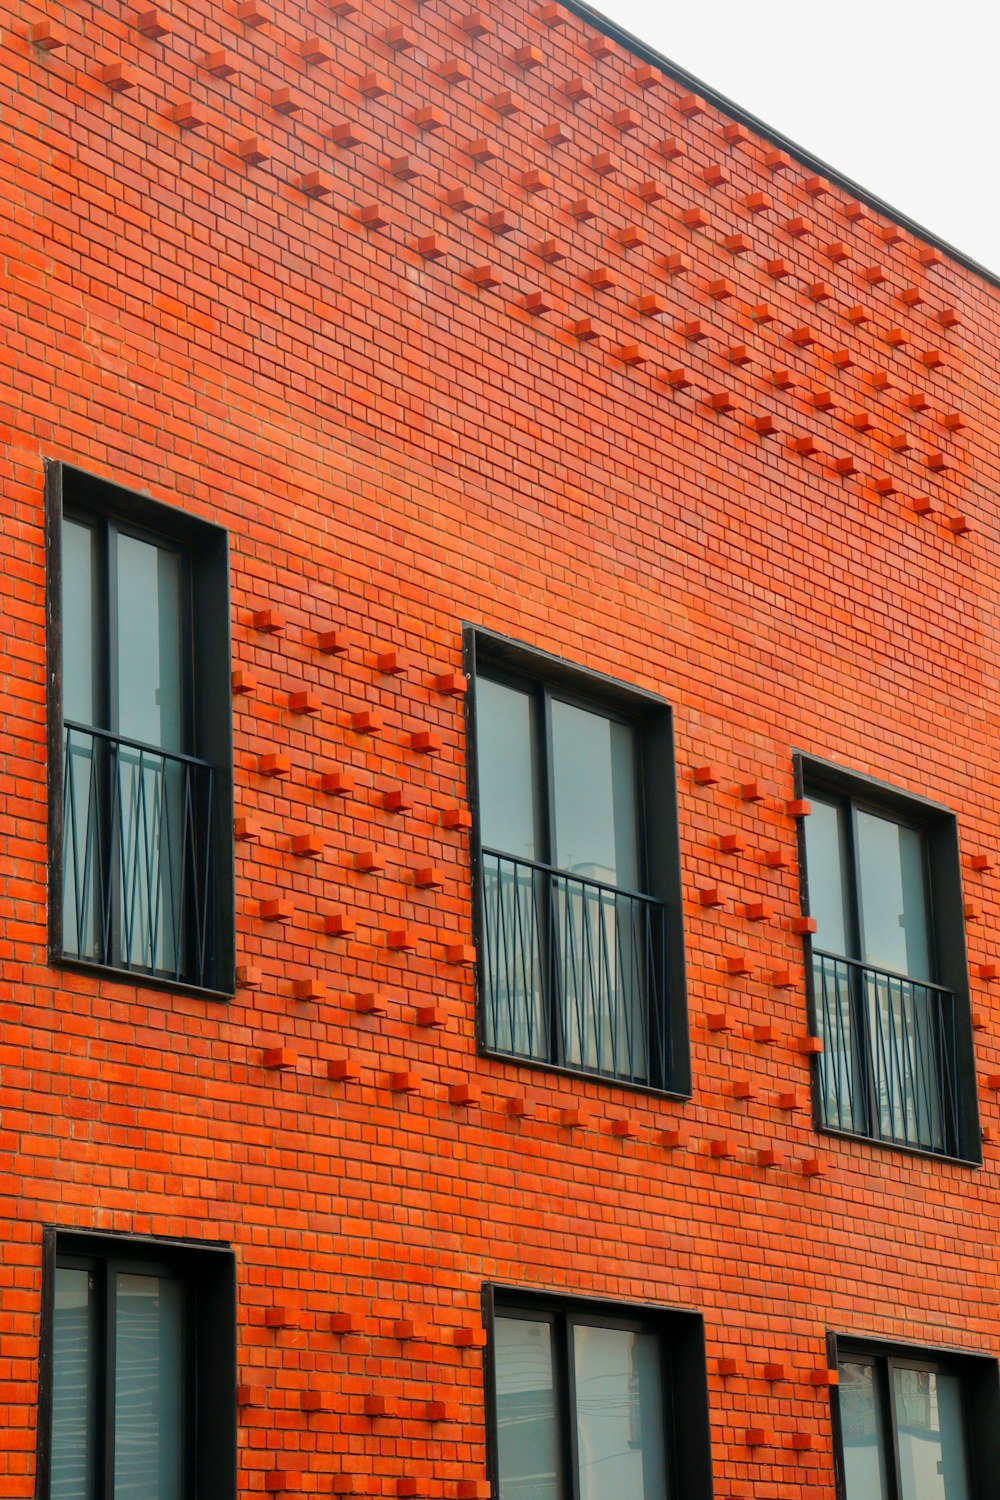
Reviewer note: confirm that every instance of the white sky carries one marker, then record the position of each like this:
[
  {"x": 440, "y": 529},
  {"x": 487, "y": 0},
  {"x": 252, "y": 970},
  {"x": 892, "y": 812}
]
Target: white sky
[{"x": 903, "y": 96}]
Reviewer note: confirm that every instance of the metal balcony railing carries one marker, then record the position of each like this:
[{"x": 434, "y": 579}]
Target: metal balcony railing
[
  {"x": 574, "y": 972},
  {"x": 138, "y": 857},
  {"x": 887, "y": 1070}
]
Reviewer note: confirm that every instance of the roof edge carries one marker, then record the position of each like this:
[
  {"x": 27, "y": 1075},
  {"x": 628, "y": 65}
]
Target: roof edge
[{"x": 656, "y": 59}]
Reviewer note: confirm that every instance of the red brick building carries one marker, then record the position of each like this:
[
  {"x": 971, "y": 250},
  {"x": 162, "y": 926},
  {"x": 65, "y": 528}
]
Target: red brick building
[{"x": 554, "y": 523}]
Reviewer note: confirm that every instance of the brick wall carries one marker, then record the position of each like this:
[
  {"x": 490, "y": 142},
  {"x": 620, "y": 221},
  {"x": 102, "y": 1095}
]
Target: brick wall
[{"x": 450, "y": 317}]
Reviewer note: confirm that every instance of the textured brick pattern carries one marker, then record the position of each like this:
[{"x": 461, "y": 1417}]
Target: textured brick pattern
[{"x": 452, "y": 316}]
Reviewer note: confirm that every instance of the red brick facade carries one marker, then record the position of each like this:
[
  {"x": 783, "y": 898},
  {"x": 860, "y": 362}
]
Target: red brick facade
[{"x": 452, "y": 317}]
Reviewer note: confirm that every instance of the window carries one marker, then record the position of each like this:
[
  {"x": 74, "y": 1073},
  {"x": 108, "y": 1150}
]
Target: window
[
  {"x": 587, "y": 1400},
  {"x": 139, "y": 1370},
  {"x": 581, "y": 949},
  {"x": 140, "y": 724},
  {"x": 888, "y": 970},
  {"x": 914, "y": 1426}
]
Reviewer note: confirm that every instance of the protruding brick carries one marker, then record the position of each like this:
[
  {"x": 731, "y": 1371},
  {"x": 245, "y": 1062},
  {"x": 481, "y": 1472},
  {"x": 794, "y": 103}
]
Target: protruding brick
[
  {"x": 278, "y": 1060},
  {"x": 369, "y": 1003},
  {"x": 428, "y": 877},
  {"x": 343, "y": 1070},
  {"x": 253, "y": 13},
  {"x": 456, "y": 817},
  {"x": 809, "y": 1046},
  {"x": 426, "y": 742},
  {"x": 705, "y": 775},
  {"x": 307, "y": 845},
  {"x": 463, "y": 1095},
  {"x": 462, "y": 954},
  {"x": 719, "y": 1020},
  {"x": 469, "y": 1338},
  {"x": 574, "y": 1117},
  {"x": 332, "y": 642},
  {"x": 368, "y": 860},
  {"x": 430, "y": 1017},
  {"x": 276, "y": 909},
  {"x": 737, "y": 963},
  {"x": 274, "y": 763},
  {"x": 337, "y": 783},
  {"x": 154, "y": 24},
  {"x": 251, "y": 150},
  {"x": 404, "y": 1083},
  {"x": 798, "y": 808},
  {"x": 367, "y": 721},
  {"x": 340, "y": 924},
  {"x": 118, "y": 77},
  {"x": 401, "y": 939},
  {"x": 711, "y": 896},
  {"x": 316, "y": 184}
]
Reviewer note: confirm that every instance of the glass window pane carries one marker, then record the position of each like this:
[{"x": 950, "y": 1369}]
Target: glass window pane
[
  {"x": 527, "y": 1438},
  {"x": 79, "y": 595},
  {"x": 73, "y": 1406},
  {"x": 619, "y": 1414},
  {"x": 507, "y": 751},
  {"x": 149, "y": 1388},
  {"x": 930, "y": 1435},
  {"x": 596, "y": 815},
  {"x": 893, "y": 899},
  {"x": 826, "y": 868},
  {"x": 149, "y": 686},
  {"x": 861, "y": 1428}
]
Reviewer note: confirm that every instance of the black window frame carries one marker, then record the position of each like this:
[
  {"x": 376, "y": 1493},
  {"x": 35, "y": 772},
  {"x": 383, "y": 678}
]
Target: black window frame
[
  {"x": 488, "y": 653},
  {"x": 980, "y": 1382},
  {"x": 72, "y": 493},
  {"x": 681, "y": 1334},
  {"x": 208, "y": 1274},
  {"x": 815, "y": 777}
]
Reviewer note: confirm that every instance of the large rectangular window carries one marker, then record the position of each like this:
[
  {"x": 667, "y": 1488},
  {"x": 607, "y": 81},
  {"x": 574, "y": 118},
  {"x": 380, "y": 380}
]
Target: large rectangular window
[
  {"x": 140, "y": 706},
  {"x": 580, "y": 938},
  {"x": 915, "y": 1425},
  {"x": 591, "y": 1402},
  {"x": 888, "y": 972},
  {"x": 139, "y": 1342}
]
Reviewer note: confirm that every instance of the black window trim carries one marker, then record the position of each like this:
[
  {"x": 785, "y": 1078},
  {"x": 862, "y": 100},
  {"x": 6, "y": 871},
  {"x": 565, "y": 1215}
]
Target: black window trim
[
  {"x": 529, "y": 666},
  {"x": 215, "y": 1462},
  {"x": 980, "y": 1376},
  {"x": 946, "y": 911},
  {"x": 138, "y": 513},
  {"x": 685, "y": 1373}
]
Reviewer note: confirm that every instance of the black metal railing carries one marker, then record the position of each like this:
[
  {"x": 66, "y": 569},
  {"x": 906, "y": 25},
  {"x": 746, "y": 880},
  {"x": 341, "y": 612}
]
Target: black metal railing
[
  {"x": 574, "y": 971},
  {"x": 887, "y": 1069},
  {"x": 137, "y": 857}
]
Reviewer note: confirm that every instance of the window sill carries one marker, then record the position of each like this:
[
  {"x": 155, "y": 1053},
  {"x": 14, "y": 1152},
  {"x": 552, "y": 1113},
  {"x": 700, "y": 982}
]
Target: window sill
[
  {"x": 582, "y": 1074},
  {"x": 136, "y": 977},
  {"x": 971, "y": 1162}
]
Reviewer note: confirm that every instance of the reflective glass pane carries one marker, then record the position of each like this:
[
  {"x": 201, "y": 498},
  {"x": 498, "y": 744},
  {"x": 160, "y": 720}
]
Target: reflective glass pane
[
  {"x": 861, "y": 1429},
  {"x": 149, "y": 1388},
  {"x": 149, "y": 687},
  {"x": 593, "y": 775},
  {"x": 73, "y": 1407},
  {"x": 930, "y": 1436},
  {"x": 826, "y": 868},
  {"x": 79, "y": 588},
  {"x": 893, "y": 898},
  {"x": 619, "y": 1414},
  {"x": 527, "y": 1437},
  {"x": 507, "y": 752}
]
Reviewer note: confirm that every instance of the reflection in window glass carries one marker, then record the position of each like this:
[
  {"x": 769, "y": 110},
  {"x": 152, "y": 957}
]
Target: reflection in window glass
[
  {"x": 893, "y": 900},
  {"x": 527, "y": 1440},
  {"x": 79, "y": 592},
  {"x": 508, "y": 770},
  {"x": 148, "y": 602},
  {"x": 73, "y": 1349},
  {"x": 929, "y": 1433},
  {"x": 149, "y": 1421},
  {"x": 595, "y": 798},
  {"x": 826, "y": 863},
  {"x": 863, "y": 1437},
  {"x": 619, "y": 1414}
]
